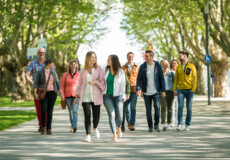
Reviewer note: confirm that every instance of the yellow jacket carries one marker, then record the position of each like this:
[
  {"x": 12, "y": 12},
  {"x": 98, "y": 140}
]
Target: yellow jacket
[{"x": 185, "y": 79}]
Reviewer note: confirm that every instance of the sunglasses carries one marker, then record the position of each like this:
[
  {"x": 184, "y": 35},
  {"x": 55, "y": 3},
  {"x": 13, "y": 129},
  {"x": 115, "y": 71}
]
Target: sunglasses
[{"x": 42, "y": 52}]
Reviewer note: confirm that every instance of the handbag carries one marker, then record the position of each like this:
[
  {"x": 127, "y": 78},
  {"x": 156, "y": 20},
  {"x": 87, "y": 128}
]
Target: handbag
[
  {"x": 42, "y": 91},
  {"x": 63, "y": 103}
]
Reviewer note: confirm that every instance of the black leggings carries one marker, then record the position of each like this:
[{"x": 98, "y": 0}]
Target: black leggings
[
  {"x": 87, "y": 113},
  {"x": 47, "y": 105}
]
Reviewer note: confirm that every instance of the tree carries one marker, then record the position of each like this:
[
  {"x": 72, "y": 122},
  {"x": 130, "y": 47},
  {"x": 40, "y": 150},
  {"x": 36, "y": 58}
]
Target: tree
[
  {"x": 65, "y": 24},
  {"x": 165, "y": 20}
]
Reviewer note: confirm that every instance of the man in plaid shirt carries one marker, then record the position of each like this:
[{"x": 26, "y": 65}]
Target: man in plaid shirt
[{"x": 34, "y": 67}]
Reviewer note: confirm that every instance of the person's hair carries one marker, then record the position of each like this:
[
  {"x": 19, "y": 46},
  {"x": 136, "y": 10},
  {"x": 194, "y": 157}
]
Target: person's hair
[
  {"x": 87, "y": 58},
  {"x": 130, "y": 53},
  {"x": 184, "y": 52},
  {"x": 115, "y": 63},
  {"x": 150, "y": 52},
  {"x": 40, "y": 49},
  {"x": 48, "y": 61},
  {"x": 173, "y": 61},
  {"x": 75, "y": 61}
]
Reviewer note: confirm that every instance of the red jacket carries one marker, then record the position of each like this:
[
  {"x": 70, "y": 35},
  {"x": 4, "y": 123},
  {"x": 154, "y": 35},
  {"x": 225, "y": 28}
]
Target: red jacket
[{"x": 71, "y": 84}]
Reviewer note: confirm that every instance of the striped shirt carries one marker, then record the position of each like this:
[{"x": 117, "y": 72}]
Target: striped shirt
[{"x": 34, "y": 67}]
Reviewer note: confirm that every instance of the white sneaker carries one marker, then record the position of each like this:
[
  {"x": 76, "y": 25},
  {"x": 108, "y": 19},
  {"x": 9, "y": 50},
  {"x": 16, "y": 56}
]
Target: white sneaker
[
  {"x": 169, "y": 127},
  {"x": 164, "y": 127},
  {"x": 88, "y": 138},
  {"x": 97, "y": 134},
  {"x": 186, "y": 128},
  {"x": 179, "y": 128}
]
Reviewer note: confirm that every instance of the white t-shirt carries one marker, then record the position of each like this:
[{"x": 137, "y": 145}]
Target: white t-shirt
[
  {"x": 151, "y": 87},
  {"x": 130, "y": 67},
  {"x": 88, "y": 96},
  {"x": 166, "y": 83}
]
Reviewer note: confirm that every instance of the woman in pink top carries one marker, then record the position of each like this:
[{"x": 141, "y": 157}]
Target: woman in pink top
[
  {"x": 48, "y": 77},
  {"x": 90, "y": 88},
  {"x": 70, "y": 81}
]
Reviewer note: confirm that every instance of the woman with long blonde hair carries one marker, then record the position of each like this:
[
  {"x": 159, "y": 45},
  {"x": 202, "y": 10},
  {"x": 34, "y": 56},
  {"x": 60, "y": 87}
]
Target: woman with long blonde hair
[{"x": 90, "y": 88}]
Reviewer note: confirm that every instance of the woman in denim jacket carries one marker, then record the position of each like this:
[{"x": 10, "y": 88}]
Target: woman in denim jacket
[
  {"x": 167, "y": 101},
  {"x": 114, "y": 94}
]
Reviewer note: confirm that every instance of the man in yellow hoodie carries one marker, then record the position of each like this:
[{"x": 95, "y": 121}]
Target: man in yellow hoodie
[{"x": 184, "y": 87}]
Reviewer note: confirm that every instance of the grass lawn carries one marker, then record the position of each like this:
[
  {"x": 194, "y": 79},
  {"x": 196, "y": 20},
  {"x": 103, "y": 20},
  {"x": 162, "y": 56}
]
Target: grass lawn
[
  {"x": 5, "y": 101},
  {"x": 12, "y": 118}
]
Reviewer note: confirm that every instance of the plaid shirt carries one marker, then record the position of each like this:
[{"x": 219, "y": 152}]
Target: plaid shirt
[{"x": 34, "y": 67}]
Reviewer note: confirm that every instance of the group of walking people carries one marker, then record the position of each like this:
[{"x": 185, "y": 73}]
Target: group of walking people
[{"x": 117, "y": 87}]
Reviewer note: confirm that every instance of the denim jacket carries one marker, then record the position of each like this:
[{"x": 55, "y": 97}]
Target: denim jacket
[
  {"x": 170, "y": 79},
  {"x": 40, "y": 81},
  {"x": 158, "y": 78}
]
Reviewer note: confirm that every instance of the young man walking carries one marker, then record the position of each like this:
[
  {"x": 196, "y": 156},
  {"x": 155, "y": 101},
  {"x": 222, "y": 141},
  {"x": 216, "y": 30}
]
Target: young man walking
[
  {"x": 151, "y": 80},
  {"x": 184, "y": 87},
  {"x": 131, "y": 70}
]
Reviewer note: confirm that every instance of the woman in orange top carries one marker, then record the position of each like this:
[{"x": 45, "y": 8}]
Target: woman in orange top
[{"x": 70, "y": 80}]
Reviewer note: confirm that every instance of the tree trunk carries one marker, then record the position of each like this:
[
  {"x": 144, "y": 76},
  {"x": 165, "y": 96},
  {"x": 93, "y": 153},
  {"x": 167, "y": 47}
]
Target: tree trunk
[
  {"x": 21, "y": 90},
  {"x": 220, "y": 72},
  {"x": 200, "y": 89}
]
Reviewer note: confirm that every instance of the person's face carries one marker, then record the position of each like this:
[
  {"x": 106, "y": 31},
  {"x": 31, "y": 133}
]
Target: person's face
[
  {"x": 130, "y": 58},
  {"x": 73, "y": 66},
  {"x": 109, "y": 61},
  {"x": 148, "y": 57},
  {"x": 182, "y": 57},
  {"x": 92, "y": 59},
  {"x": 174, "y": 64},
  {"x": 51, "y": 65},
  {"x": 41, "y": 53},
  {"x": 164, "y": 64}
]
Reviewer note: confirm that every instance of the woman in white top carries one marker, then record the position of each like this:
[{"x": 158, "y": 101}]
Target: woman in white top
[
  {"x": 114, "y": 94},
  {"x": 90, "y": 88},
  {"x": 173, "y": 65}
]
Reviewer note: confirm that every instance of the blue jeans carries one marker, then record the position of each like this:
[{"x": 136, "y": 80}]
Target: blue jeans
[
  {"x": 181, "y": 94},
  {"x": 130, "y": 104},
  {"x": 73, "y": 108},
  {"x": 114, "y": 107},
  {"x": 148, "y": 105}
]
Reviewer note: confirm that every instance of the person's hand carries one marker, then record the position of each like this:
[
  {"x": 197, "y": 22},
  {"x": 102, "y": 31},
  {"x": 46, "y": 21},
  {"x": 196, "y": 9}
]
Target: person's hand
[
  {"x": 92, "y": 82},
  {"x": 62, "y": 98},
  {"x": 163, "y": 94},
  {"x": 123, "y": 100},
  {"x": 138, "y": 93},
  {"x": 31, "y": 82},
  {"x": 100, "y": 80},
  {"x": 36, "y": 96},
  {"x": 127, "y": 97},
  {"x": 174, "y": 93},
  {"x": 76, "y": 100}
]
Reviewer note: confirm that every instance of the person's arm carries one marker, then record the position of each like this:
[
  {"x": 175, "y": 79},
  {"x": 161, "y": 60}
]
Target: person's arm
[
  {"x": 62, "y": 83},
  {"x": 78, "y": 88},
  {"x": 35, "y": 84},
  {"x": 100, "y": 82},
  {"x": 162, "y": 81},
  {"x": 138, "y": 83},
  {"x": 123, "y": 83},
  {"x": 176, "y": 78},
  {"x": 127, "y": 87},
  {"x": 194, "y": 75}
]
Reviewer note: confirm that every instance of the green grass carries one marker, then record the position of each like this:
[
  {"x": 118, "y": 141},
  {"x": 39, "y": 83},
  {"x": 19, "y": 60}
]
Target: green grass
[
  {"x": 5, "y": 101},
  {"x": 12, "y": 118}
]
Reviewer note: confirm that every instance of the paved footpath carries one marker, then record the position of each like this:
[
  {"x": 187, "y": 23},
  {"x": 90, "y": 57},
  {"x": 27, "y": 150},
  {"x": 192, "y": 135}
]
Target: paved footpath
[{"x": 209, "y": 138}]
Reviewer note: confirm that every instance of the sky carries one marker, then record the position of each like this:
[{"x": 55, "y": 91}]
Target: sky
[{"x": 114, "y": 42}]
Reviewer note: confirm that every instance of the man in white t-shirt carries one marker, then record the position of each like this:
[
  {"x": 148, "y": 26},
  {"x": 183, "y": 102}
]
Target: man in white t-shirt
[{"x": 151, "y": 81}]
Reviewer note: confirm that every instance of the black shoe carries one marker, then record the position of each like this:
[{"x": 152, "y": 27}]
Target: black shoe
[
  {"x": 39, "y": 129},
  {"x": 74, "y": 129},
  {"x": 122, "y": 128},
  {"x": 150, "y": 129},
  {"x": 157, "y": 128}
]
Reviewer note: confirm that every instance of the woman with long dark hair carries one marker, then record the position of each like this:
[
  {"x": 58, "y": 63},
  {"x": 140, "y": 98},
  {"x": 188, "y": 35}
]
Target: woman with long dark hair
[{"x": 114, "y": 94}]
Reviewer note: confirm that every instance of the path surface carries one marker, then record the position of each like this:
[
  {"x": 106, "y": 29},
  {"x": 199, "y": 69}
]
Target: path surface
[{"x": 209, "y": 138}]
